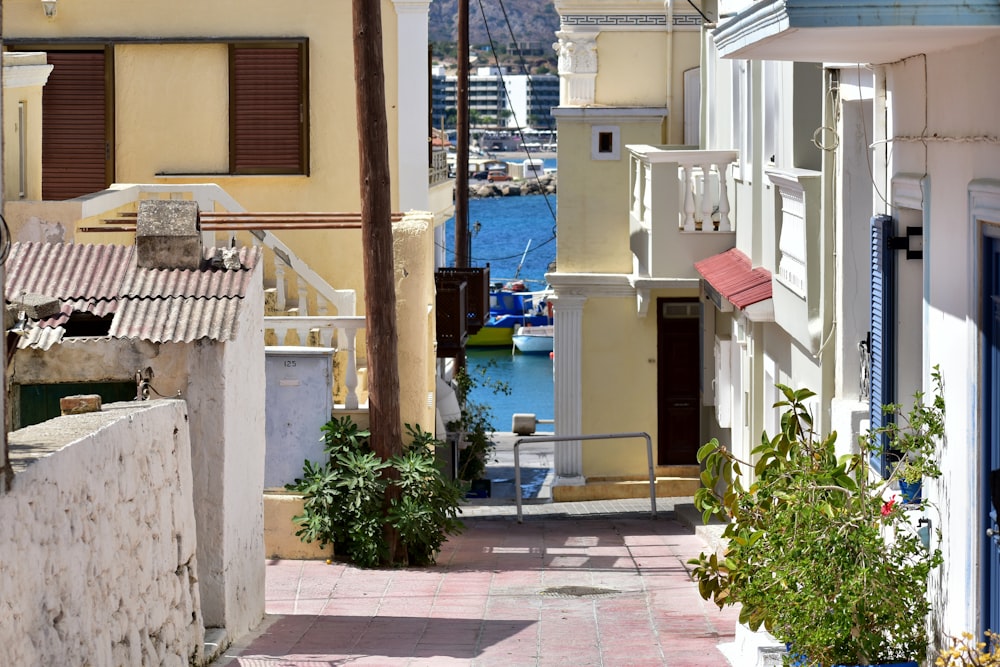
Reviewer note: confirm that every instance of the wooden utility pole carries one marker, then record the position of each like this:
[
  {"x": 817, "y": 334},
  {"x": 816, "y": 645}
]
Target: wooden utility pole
[
  {"x": 462, "y": 140},
  {"x": 376, "y": 238}
]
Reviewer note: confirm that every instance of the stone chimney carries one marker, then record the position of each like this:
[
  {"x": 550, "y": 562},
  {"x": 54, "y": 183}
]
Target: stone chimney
[{"x": 168, "y": 235}]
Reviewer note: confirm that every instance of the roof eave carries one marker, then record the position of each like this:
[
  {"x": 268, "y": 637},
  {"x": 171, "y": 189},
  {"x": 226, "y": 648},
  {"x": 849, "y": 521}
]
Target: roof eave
[{"x": 856, "y": 31}]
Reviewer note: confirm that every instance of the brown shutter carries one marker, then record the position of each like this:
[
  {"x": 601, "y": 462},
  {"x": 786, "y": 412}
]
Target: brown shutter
[
  {"x": 75, "y": 149},
  {"x": 267, "y": 109}
]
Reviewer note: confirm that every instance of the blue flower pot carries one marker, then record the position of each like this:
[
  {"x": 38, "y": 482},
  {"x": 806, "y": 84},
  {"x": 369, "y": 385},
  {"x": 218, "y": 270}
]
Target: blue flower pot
[
  {"x": 910, "y": 491},
  {"x": 800, "y": 661}
]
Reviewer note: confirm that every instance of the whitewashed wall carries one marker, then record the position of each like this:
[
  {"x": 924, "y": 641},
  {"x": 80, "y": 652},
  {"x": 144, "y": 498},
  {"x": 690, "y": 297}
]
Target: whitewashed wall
[
  {"x": 97, "y": 564},
  {"x": 961, "y": 101}
]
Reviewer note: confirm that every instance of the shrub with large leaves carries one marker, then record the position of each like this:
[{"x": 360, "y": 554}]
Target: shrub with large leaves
[{"x": 346, "y": 499}]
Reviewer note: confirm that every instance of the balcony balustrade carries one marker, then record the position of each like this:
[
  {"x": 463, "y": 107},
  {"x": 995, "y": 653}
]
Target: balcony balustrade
[
  {"x": 324, "y": 327},
  {"x": 679, "y": 207}
]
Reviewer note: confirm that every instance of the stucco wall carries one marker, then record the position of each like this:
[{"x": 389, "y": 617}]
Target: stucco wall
[
  {"x": 962, "y": 96},
  {"x": 223, "y": 384},
  {"x": 593, "y": 194},
  {"x": 618, "y": 390},
  {"x": 98, "y": 565},
  {"x": 172, "y": 115}
]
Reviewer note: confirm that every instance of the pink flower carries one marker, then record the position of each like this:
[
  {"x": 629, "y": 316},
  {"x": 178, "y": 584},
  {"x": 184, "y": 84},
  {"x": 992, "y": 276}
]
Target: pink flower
[{"x": 888, "y": 507}]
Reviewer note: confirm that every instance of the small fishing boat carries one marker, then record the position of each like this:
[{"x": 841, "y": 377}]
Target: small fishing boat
[
  {"x": 511, "y": 306},
  {"x": 534, "y": 339}
]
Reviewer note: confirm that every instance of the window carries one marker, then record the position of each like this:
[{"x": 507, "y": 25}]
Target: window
[
  {"x": 268, "y": 108},
  {"x": 604, "y": 143}
]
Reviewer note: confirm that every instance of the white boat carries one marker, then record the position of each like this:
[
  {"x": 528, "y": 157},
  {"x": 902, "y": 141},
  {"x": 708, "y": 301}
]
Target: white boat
[{"x": 536, "y": 339}]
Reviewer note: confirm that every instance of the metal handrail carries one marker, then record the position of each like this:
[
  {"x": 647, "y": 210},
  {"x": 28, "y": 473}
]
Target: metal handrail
[{"x": 574, "y": 438}]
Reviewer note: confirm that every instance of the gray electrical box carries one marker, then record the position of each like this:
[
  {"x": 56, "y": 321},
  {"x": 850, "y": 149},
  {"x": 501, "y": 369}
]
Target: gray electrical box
[{"x": 299, "y": 402}]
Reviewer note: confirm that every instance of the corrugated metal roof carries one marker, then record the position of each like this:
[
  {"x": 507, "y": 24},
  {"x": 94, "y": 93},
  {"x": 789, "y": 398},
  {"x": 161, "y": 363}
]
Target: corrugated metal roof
[
  {"x": 731, "y": 275},
  {"x": 207, "y": 282},
  {"x": 177, "y": 319},
  {"x": 40, "y": 337},
  {"x": 149, "y": 304}
]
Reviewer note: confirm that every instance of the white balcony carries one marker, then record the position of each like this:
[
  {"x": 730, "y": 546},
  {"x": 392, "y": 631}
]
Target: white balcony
[{"x": 679, "y": 208}]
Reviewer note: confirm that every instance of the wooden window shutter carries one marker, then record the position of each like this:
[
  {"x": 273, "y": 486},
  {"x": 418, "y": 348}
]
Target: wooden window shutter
[
  {"x": 267, "y": 108},
  {"x": 883, "y": 288},
  {"x": 76, "y": 145}
]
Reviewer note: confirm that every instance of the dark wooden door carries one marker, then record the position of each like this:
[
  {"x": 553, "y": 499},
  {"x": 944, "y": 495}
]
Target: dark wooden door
[
  {"x": 678, "y": 382},
  {"x": 76, "y": 139}
]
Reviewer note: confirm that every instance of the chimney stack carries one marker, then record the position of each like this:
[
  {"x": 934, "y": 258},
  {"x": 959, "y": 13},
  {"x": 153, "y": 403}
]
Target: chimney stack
[{"x": 168, "y": 235}]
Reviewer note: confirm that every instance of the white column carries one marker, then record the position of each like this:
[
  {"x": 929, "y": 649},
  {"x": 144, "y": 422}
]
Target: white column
[
  {"x": 567, "y": 363},
  {"x": 412, "y": 104}
]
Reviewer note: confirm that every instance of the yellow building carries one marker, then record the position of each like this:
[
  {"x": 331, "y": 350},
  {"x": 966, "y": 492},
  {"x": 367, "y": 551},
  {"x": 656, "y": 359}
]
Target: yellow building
[
  {"x": 244, "y": 106},
  {"x": 256, "y": 98},
  {"x": 628, "y": 330}
]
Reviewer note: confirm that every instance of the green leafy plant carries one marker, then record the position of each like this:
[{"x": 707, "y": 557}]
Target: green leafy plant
[
  {"x": 353, "y": 494},
  {"x": 475, "y": 427},
  {"x": 819, "y": 550}
]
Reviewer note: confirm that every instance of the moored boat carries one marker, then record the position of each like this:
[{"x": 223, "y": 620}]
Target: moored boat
[
  {"x": 511, "y": 306},
  {"x": 534, "y": 339}
]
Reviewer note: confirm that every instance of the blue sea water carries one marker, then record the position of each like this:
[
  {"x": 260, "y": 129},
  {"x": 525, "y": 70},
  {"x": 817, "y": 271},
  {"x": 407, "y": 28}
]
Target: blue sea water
[{"x": 500, "y": 228}]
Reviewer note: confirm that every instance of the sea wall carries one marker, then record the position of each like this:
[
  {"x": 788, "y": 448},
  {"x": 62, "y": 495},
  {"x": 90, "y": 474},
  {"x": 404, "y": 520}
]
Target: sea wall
[
  {"x": 98, "y": 563},
  {"x": 544, "y": 184}
]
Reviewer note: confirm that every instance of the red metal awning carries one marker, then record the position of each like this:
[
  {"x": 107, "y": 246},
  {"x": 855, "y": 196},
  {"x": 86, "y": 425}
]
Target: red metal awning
[{"x": 730, "y": 274}]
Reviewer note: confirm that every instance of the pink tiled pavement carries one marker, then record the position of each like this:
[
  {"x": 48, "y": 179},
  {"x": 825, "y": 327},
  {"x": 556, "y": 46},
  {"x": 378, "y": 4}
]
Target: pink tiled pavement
[{"x": 490, "y": 601}]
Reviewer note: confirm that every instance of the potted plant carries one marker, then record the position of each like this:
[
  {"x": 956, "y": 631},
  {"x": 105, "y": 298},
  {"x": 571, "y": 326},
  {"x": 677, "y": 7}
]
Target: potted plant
[
  {"x": 474, "y": 431},
  {"x": 820, "y": 551}
]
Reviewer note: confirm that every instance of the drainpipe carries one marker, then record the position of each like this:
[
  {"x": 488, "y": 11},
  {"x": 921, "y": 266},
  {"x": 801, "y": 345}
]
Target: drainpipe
[{"x": 670, "y": 68}]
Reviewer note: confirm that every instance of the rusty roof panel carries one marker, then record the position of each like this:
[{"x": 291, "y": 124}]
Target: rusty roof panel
[
  {"x": 68, "y": 271},
  {"x": 730, "y": 274},
  {"x": 150, "y": 304},
  {"x": 207, "y": 282},
  {"x": 177, "y": 319}
]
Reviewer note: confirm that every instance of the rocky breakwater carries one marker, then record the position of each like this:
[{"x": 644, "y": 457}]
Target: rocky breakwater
[{"x": 544, "y": 184}]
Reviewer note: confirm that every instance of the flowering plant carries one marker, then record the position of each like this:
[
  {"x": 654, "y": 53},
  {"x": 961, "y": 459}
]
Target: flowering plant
[
  {"x": 965, "y": 651},
  {"x": 819, "y": 552}
]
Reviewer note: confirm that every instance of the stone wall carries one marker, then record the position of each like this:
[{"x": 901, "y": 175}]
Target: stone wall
[{"x": 97, "y": 564}]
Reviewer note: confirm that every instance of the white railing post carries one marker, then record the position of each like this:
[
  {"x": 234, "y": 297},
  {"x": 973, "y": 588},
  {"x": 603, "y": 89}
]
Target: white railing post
[
  {"x": 279, "y": 287},
  {"x": 724, "y": 225},
  {"x": 637, "y": 175},
  {"x": 687, "y": 172},
  {"x": 706, "y": 197},
  {"x": 351, "y": 372}
]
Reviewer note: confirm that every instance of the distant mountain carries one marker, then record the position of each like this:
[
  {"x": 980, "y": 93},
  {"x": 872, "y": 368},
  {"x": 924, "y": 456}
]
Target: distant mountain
[{"x": 534, "y": 21}]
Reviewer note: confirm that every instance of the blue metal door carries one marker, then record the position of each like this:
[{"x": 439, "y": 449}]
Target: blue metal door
[{"x": 991, "y": 432}]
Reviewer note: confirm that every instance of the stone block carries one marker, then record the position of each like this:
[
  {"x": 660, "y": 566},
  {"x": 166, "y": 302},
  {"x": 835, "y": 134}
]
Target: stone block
[
  {"x": 79, "y": 404},
  {"x": 34, "y": 306},
  {"x": 168, "y": 235}
]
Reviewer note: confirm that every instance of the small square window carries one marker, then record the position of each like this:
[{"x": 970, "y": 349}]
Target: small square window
[{"x": 605, "y": 142}]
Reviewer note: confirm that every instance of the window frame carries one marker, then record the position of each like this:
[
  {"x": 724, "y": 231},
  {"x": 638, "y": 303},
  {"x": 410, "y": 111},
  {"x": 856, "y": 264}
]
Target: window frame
[{"x": 301, "y": 45}]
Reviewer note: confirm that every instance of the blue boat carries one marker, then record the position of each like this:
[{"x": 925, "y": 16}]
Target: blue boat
[{"x": 511, "y": 307}]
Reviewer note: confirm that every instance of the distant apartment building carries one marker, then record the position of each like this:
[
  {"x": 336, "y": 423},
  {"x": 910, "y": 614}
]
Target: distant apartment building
[{"x": 497, "y": 98}]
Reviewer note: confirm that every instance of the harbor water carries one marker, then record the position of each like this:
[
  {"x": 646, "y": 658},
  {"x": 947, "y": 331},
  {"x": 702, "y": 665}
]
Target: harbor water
[{"x": 500, "y": 229}]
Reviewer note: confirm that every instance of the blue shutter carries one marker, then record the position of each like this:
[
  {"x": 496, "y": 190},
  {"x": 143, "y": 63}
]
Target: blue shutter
[{"x": 882, "y": 329}]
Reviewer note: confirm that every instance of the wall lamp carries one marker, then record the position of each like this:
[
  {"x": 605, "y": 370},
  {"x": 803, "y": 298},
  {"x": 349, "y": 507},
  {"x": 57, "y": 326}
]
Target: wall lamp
[{"x": 49, "y": 7}]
